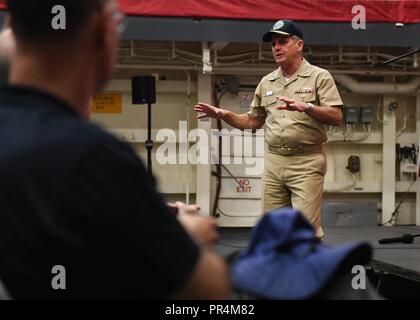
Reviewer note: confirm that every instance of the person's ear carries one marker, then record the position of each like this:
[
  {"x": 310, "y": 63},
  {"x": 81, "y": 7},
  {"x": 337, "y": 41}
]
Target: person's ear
[{"x": 300, "y": 44}]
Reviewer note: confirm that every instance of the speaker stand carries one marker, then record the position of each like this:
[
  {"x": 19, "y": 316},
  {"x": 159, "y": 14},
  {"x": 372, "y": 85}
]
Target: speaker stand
[{"x": 149, "y": 141}]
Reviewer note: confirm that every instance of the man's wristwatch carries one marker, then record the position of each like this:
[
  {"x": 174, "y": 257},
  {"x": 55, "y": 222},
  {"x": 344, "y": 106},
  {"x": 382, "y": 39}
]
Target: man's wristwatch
[{"x": 309, "y": 107}]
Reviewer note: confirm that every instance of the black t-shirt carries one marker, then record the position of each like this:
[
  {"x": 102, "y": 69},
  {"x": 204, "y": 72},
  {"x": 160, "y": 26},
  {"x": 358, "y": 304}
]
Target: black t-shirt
[{"x": 72, "y": 195}]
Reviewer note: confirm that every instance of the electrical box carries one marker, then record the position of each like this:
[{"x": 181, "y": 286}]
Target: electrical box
[
  {"x": 351, "y": 115},
  {"x": 353, "y": 164},
  {"x": 366, "y": 115},
  {"x": 233, "y": 85}
]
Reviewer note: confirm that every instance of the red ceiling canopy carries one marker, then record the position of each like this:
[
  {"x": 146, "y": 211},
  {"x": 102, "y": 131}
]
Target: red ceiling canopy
[{"x": 407, "y": 11}]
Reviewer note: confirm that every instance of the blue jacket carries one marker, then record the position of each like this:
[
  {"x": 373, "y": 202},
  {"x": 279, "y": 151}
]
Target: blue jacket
[{"x": 285, "y": 260}]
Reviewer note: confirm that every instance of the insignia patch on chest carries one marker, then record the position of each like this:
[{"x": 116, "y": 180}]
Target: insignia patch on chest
[
  {"x": 268, "y": 93},
  {"x": 305, "y": 90}
]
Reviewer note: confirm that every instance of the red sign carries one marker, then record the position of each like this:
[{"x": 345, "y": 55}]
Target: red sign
[
  {"x": 303, "y": 10},
  {"x": 244, "y": 187}
]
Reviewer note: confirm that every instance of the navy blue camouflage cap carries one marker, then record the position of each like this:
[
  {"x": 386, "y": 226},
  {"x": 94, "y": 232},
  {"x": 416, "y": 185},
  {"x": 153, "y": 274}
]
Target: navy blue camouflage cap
[{"x": 284, "y": 27}]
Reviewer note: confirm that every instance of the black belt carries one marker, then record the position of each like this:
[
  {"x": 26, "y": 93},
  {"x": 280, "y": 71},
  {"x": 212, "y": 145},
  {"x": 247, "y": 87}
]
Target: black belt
[{"x": 294, "y": 150}]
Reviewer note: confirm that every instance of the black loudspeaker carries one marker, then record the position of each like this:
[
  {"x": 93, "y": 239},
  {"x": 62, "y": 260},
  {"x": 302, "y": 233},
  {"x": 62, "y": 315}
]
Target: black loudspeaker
[{"x": 143, "y": 89}]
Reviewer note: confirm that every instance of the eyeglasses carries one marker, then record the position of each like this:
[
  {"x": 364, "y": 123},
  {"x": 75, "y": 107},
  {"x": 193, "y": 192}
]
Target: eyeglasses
[
  {"x": 5, "y": 24},
  {"x": 121, "y": 21},
  {"x": 119, "y": 17}
]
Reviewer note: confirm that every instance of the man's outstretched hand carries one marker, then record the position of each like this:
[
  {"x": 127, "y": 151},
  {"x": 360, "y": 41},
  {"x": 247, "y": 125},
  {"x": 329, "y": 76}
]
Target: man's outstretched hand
[{"x": 208, "y": 111}]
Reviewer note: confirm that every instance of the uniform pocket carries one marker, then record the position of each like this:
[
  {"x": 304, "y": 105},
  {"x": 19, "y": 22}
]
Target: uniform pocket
[
  {"x": 268, "y": 101},
  {"x": 309, "y": 97},
  {"x": 306, "y": 97},
  {"x": 325, "y": 163},
  {"x": 320, "y": 163}
]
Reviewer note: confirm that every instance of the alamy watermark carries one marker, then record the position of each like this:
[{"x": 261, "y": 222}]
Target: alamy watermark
[
  {"x": 58, "y": 282},
  {"x": 58, "y": 22},
  {"x": 238, "y": 147},
  {"x": 359, "y": 20},
  {"x": 358, "y": 282}
]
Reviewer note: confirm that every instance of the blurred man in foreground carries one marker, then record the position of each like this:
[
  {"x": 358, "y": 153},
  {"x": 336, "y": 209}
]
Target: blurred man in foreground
[{"x": 74, "y": 198}]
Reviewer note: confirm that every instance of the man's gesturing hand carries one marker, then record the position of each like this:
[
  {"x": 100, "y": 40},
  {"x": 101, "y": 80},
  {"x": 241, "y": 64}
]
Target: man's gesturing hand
[
  {"x": 292, "y": 105},
  {"x": 208, "y": 111}
]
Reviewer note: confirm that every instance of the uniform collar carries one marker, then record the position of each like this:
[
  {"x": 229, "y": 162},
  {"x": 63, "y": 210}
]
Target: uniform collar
[{"x": 303, "y": 71}]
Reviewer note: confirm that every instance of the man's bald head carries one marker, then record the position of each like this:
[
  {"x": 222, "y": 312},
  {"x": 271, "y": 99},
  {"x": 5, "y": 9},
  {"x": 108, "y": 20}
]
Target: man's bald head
[{"x": 7, "y": 48}]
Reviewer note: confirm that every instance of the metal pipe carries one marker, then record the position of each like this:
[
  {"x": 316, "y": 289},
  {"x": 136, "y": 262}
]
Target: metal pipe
[
  {"x": 249, "y": 70},
  {"x": 378, "y": 87},
  {"x": 188, "y": 175}
]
